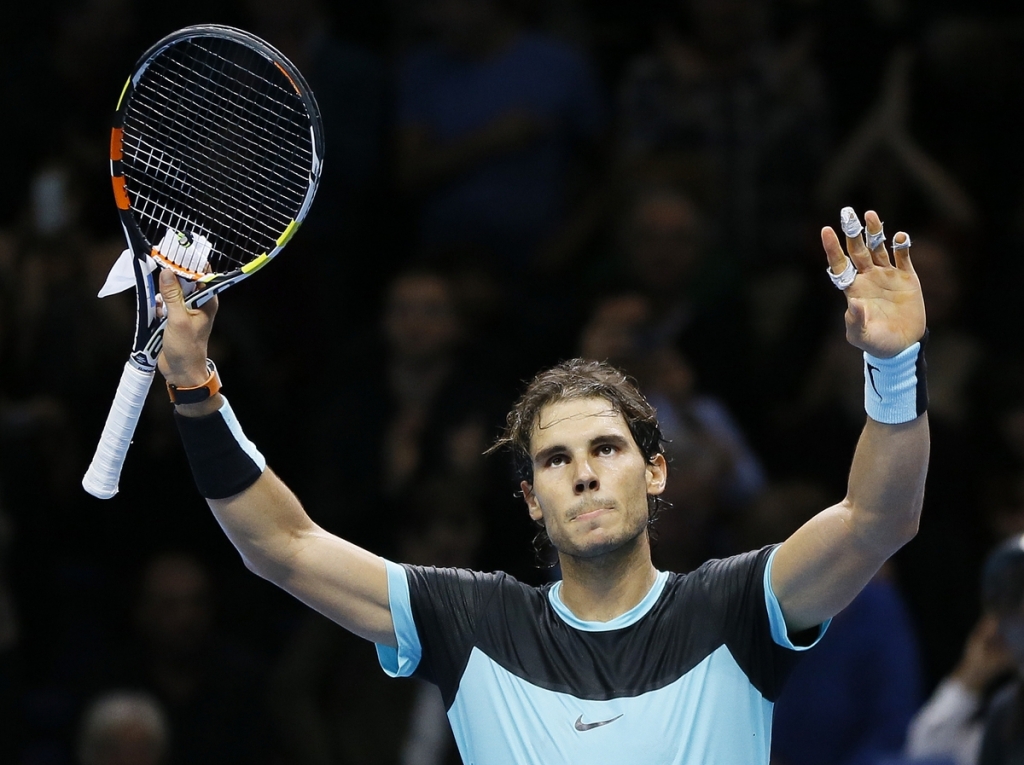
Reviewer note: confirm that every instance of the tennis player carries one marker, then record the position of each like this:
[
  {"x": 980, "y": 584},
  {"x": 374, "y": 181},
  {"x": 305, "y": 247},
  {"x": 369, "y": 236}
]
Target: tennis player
[{"x": 618, "y": 662}]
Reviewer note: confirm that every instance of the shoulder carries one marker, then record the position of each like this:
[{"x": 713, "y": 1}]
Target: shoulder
[
  {"x": 478, "y": 584},
  {"x": 740, "y": 567}
]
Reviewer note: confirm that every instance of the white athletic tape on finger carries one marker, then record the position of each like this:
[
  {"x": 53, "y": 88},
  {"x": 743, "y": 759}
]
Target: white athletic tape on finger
[
  {"x": 844, "y": 279},
  {"x": 191, "y": 251},
  {"x": 122, "y": 275},
  {"x": 850, "y": 223},
  {"x": 874, "y": 241},
  {"x": 904, "y": 245}
]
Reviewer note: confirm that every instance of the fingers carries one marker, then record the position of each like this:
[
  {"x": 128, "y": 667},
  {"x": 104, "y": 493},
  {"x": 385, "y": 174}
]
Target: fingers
[
  {"x": 172, "y": 295},
  {"x": 833, "y": 250},
  {"x": 859, "y": 253},
  {"x": 866, "y": 243},
  {"x": 170, "y": 289},
  {"x": 901, "y": 251},
  {"x": 875, "y": 236}
]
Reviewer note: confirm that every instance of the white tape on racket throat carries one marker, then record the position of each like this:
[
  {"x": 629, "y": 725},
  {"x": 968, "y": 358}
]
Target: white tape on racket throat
[{"x": 190, "y": 251}]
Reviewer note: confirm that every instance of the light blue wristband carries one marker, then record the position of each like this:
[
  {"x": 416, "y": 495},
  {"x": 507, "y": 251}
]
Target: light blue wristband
[{"x": 896, "y": 389}]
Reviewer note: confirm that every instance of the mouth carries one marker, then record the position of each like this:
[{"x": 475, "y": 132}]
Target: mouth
[{"x": 592, "y": 510}]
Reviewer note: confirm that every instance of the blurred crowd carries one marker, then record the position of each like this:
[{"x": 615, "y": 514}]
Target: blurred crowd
[{"x": 508, "y": 183}]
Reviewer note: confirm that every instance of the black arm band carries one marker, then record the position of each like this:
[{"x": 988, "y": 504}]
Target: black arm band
[{"x": 224, "y": 462}]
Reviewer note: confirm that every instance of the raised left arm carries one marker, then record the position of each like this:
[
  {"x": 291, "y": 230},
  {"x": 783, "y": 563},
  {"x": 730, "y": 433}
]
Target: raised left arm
[{"x": 822, "y": 567}]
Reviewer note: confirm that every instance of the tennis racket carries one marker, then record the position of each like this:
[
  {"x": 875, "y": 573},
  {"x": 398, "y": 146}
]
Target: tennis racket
[{"x": 215, "y": 156}]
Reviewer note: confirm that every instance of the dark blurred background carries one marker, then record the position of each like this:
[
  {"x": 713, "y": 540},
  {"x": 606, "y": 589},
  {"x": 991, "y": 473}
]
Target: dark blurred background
[{"x": 507, "y": 183}]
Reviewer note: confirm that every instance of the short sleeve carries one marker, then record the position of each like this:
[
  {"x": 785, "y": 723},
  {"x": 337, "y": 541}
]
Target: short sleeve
[
  {"x": 446, "y": 606},
  {"x": 403, "y": 660},
  {"x": 776, "y": 618},
  {"x": 737, "y": 599}
]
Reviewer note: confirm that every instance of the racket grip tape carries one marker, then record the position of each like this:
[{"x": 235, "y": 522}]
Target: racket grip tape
[{"x": 105, "y": 469}]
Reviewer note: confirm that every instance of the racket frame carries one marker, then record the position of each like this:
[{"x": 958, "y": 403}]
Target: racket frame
[{"x": 101, "y": 478}]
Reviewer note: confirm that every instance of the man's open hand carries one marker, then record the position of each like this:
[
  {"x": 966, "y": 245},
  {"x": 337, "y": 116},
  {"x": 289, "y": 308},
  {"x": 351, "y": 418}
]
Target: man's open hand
[{"x": 885, "y": 308}]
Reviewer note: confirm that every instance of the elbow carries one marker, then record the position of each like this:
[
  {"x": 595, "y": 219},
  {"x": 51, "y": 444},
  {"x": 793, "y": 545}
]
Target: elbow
[
  {"x": 909, "y": 530},
  {"x": 257, "y": 566},
  {"x": 887, "y": 532},
  {"x": 902, "y": 530}
]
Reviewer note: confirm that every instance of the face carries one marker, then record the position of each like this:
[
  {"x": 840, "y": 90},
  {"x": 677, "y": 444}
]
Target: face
[
  {"x": 613, "y": 331},
  {"x": 590, "y": 480},
  {"x": 664, "y": 242},
  {"x": 420, "y": 321},
  {"x": 175, "y": 612}
]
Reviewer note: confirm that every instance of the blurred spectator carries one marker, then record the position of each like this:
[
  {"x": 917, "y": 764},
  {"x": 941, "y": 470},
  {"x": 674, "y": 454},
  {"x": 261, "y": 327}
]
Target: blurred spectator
[
  {"x": 882, "y": 157},
  {"x": 492, "y": 121},
  {"x": 849, "y": 701},
  {"x": 425, "y": 407},
  {"x": 209, "y": 688},
  {"x": 123, "y": 728},
  {"x": 1003, "y": 595},
  {"x": 664, "y": 252},
  {"x": 971, "y": 56},
  {"x": 952, "y": 721},
  {"x": 723, "y": 106},
  {"x": 329, "y": 698},
  {"x": 353, "y": 91}
]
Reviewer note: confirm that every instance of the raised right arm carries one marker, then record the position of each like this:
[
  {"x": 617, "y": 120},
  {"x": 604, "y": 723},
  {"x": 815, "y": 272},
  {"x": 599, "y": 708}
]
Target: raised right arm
[{"x": 265, "y": 522}]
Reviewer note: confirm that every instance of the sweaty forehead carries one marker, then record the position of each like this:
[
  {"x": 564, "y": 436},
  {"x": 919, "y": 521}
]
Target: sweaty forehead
[{"x": 583, "y": 417}]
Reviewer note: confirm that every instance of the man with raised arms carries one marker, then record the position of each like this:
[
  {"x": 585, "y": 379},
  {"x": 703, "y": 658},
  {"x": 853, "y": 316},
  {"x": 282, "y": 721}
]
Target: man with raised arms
[{"x": 618, "y": 662}]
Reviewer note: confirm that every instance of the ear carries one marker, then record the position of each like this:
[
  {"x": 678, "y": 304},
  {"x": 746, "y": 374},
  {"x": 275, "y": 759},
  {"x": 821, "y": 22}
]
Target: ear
[
  {"x": 657, "y": 474},
  {"x": 531, "y": 501}
]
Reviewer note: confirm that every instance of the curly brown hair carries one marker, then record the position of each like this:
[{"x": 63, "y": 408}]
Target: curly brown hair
[{"x": 579, "y": 379}]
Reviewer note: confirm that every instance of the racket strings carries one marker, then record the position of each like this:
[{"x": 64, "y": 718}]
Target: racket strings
[
  {"x": 217, "y": 141},
  {"x": 241, "y": 168},
  {"x": 237, "y": 118}
]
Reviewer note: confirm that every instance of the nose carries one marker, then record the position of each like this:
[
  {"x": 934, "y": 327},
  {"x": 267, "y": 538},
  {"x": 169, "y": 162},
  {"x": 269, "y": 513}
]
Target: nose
[{"x": 585, "y": 479}]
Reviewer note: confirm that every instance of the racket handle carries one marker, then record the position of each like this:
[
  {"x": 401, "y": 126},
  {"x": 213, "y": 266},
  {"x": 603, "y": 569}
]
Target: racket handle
[{"x": 105, "y": 469}]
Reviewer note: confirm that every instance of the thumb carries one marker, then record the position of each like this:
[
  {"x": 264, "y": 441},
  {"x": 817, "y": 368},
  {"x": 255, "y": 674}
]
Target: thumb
[
  {"x": 170, "y": 289},
  {"x": 855, "y": 312}
]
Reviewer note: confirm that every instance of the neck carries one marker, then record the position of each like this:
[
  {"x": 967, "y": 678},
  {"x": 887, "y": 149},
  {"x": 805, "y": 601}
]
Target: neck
[{"x": 602, "y": 588}]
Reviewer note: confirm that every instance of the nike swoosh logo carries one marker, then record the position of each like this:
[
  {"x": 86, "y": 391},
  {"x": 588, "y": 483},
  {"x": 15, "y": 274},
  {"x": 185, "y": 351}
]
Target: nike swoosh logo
[
  {"x": 871, "y": 376},
  {"x": 580, "y": 725}
]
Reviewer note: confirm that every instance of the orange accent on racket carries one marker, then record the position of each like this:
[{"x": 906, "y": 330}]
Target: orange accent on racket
[
  {"x": 115, "y": 144},
  {"x": 285, "y": 73},
  {"x": 120, "y": 192},
  {"x": 166, "y": 262}
]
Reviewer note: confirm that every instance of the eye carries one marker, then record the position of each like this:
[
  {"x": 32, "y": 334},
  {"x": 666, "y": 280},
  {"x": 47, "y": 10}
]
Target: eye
[
  {"x": 557, "y": 460},
  {"x": 606, "y": 449}
]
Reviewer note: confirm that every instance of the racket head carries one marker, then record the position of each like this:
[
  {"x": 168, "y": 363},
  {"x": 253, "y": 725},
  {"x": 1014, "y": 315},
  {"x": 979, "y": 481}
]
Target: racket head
[{"x": 215, "y": 153}]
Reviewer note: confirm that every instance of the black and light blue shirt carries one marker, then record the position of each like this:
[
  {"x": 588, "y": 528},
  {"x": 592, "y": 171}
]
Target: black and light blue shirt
[{"x": 687, "y": 676}]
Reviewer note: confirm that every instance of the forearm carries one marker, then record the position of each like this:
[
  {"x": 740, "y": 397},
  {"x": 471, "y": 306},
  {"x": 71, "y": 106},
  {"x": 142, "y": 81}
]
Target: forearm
[
  {"x": 266, "y": 524},
  {"x": 886, "y": 486}
]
